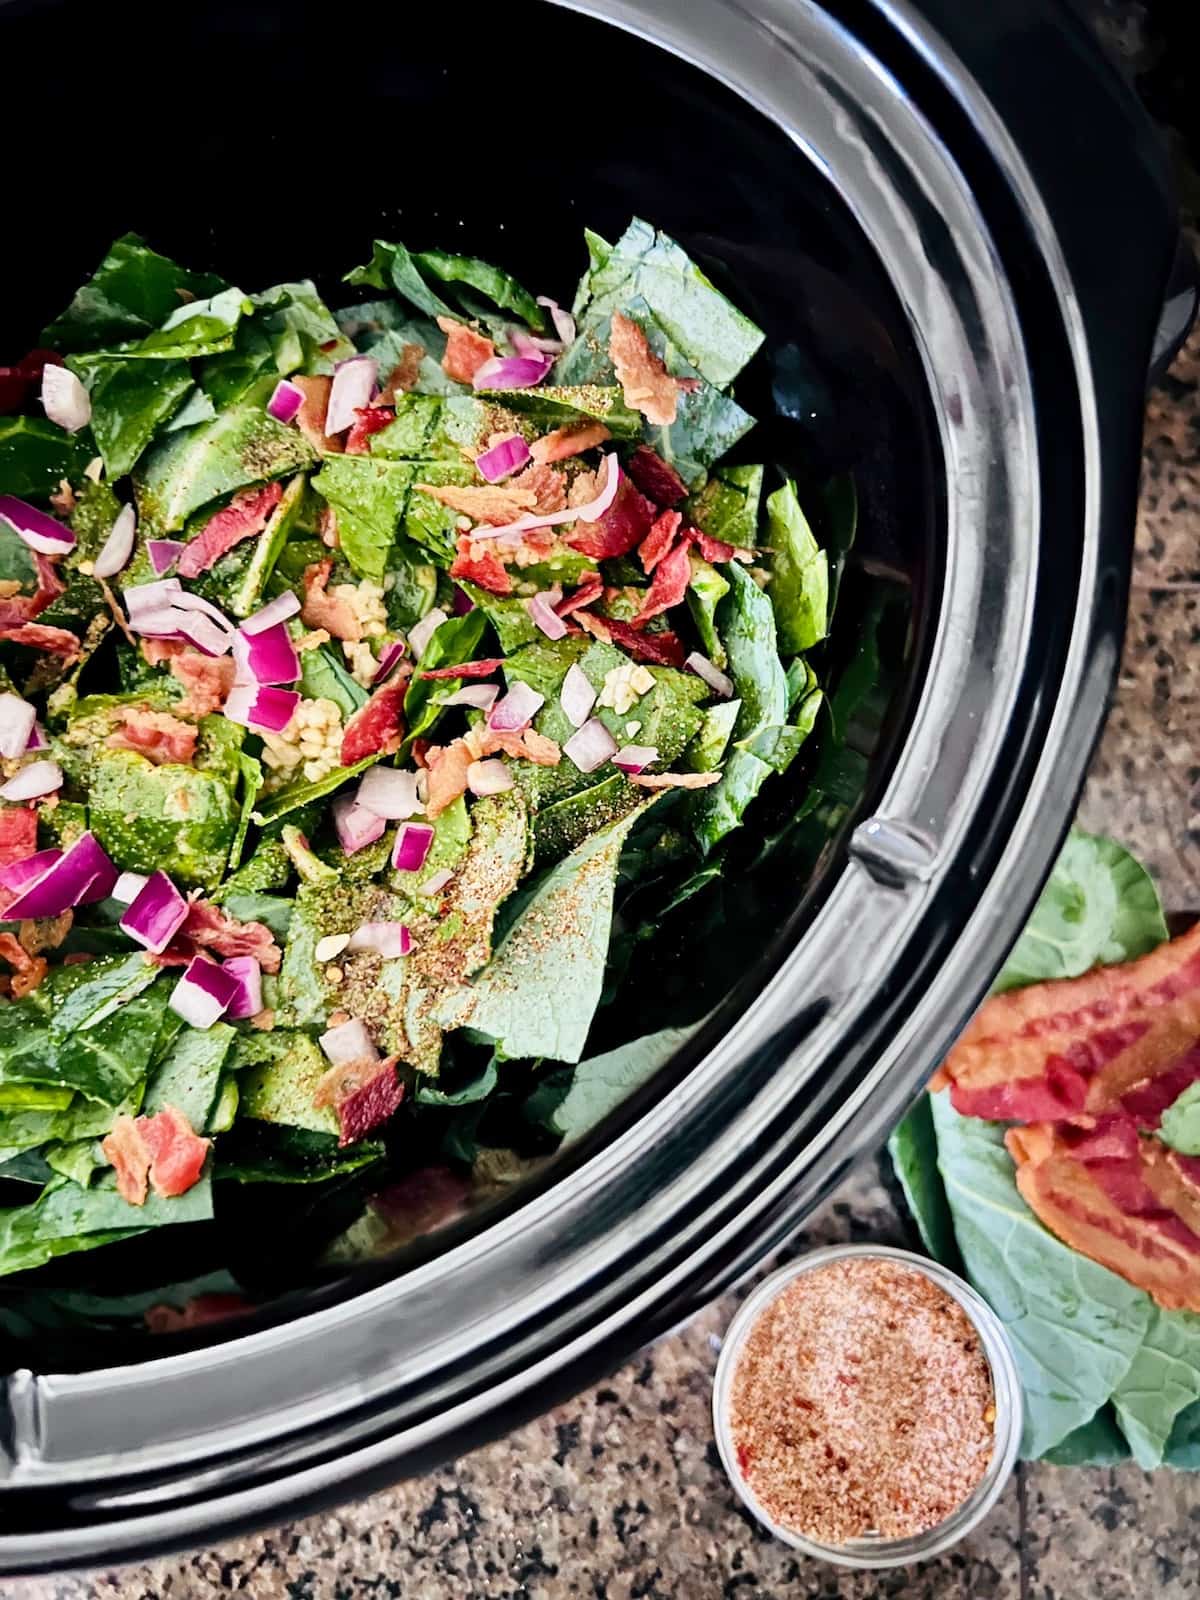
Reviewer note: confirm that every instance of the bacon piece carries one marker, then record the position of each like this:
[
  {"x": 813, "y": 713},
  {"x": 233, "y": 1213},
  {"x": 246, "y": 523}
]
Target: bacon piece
[
  {"x": 670, "y": 584},
  {"x": 674, "y": 780},
  {"x": 368, "y": 420},
  {"x": 207, "y": 927},
  {"x": 363, "y": 1093},
  {"x": 476, "y": 563},
  {"x": 495, "y": 503},
  {"x": 447, "y": 766},
  {"x": 207, "y": 679},
  {"x": 1118, "y": 1198},
  {"x": 28, "y": 970},
  {"x": 37, "y": 934},
  {"x": 1147, "y": 1100},
  {"x": 568, "y": 441},
  {"x": 378, "y": 727},
  {"x": 466, "y": 669},
  {"x": 198, "y": 1312},
  {"x": 549, "y": 490},
  {"x": 648, "y": 386},
  {"x": 246, "y": 515},
  {"x": 404, "y": 374},
  {"x": 712, "y": 549},
  {"x": 17, "y": 609},
  {"x": 40, "y": 636},
  {"x": 655, "y": 477},
  {"x": 659, "y": 540},
  {"x": 156, "y": 734},
  {"x": 18, "y": 834},
  {"x": 528, "y": 745},
  {"x": 466, "y": 350},
  {"x": 663, "y": 649},
  {"x": 625, "y": 524},
  {"x": 591, "y": 587},
  {"x": 310, "y": 419},
  {"x": 162, "y": 1148},
  {"x": 324, "y": 610},
  {"x": 18, "y": 382},
  {"x": 1080, "y": 1044}
]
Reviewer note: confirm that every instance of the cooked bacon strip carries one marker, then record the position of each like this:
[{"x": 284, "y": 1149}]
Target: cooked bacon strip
[
  {"x": 1079, "y": 1045},
  {"x": 624, "y": 525},
  {"x": 591, "y": 587},
  {"x": 670, "y": 584},
  {"x": 378, "y": 727},
  {"x": 495, "y": 503},
  {"x": 466, "y": 669},
  {"x": 647, "y": 385},
  {"x": 568, "y": 441},
  {"x": 368, "y": 421},
  {"x": 466, "y": 350},
  {"x": 324, "y": 610},
  {"x": 655, "y": 477},
  {"x": 662, "y": 649},
  {"x": 1118, "y": 1198},
  {"x": 659, "y": 540},
  {"x": 28, "y": 970},
  {"x": 40, "y": 636},
  {"x": 674, "y": 780},
  {"x": 18, "y": 834},
  {"x": 481, "y": 565},
  {"x": 447, "y": 766},
  {"x": 404, "y": 374},
  {"x": 156, "y": 734},
  {"x": 162, "y": 1148},
  {"x": 207, "y": 927},
  {"x": 310, "y": 419},
  {"x": 246, "y": 515}
]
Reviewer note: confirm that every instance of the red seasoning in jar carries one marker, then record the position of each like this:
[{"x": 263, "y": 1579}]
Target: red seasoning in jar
[{"x": 861, "y": 1404}]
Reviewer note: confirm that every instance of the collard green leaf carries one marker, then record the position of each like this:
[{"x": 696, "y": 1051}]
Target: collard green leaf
[
  {"x": 133, "y": 291},
  {"x": 572, "y": 1103},
  {"x": 710, "y": 331},
  {"x": 382, "y": 329},
  {"x": 297, "y": 795},
  {"x": 497, "y": 286},
  {"x": 189, "y": 1078},
  {"x": 510, "y": 619},
  {"x": 131, "y": 402},
  {"x": 914, "y": 1153},
  {"x": 392, "y": 267},
  {"x": 247, "y": 594},
  {"x": 197, "y": 328},
  {"x": 276, "y": 1153},
  {"x": 323, "y": 677},
  {"x": 1099, "y": 906},
  {"x": 1076, "y": 1327},
  {"x": 272, "y": 910},
  {"x": 457, "y": 639},
  {"x": 190, "y": 468},
  {"x": 707, "y": 749},
  {"x": 66, "y": 1218},
  {"x": 799, "y": 587},
  {"x": 706, "y": 589},
  {"x": 539, "y": 992},
  {"x": 561, "y": 405},
  {"x": 467, "y": 1094},
  {"x": 1180, "y": 1127},
  {"x": 35, "y": 455},
  {"x": 268, "y": 868},
  {"x": 369, "y": 495},
  {"x": 728, "y": 504},
  {"x": 177, "y": 818},
  {"x": 278, "y": 1074},
  {"x": 16, "y": 559},
  {"x": 1162, "y": 1381},
  {"x": 564, "y": 824},
  {"x": 1183, "y": 1448}
]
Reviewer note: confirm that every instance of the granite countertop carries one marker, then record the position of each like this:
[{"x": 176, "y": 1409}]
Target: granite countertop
[{"x": 619, "y": 1494}]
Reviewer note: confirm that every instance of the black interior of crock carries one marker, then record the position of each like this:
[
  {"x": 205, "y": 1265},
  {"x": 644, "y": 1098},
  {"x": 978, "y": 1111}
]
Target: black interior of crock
[{"x": 272, "y": 142}]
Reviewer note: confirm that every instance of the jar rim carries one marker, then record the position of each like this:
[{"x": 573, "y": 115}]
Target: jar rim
[{"x": 870, "y": 1553}]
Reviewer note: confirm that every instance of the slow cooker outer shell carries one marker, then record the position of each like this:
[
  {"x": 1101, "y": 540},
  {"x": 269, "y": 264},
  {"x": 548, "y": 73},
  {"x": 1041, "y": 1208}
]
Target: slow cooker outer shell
[{"x": 779, "y": 1102}]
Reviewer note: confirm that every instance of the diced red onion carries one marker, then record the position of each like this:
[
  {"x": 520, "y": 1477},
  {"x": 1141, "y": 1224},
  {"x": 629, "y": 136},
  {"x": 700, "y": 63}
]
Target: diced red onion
[
  {"x": 18, "y": 873},
  {"x": 141, "y": 598},
  {"x": 286, "y": 401},
  {"x": 462, "y": 602},
  {"x": 204, "y": 993},
  {"x": 387, "y": 939},
  {"x": 76, "y": 876},
  {"x": 420, "y": 635},
  {"x": 541, "y": 610},
  {"x": 564, "y": 322},
  {"x": 635, "y": 757},
  {"x": 160, "y": 624},
  {"x": 156, "y": 913},
  {"x": 39, "y": 531},
  {"x": 246, "y": 971},
  {"x": 389, "y": 793},
  {"x": 38, "y": 778},
  {"x": 118, "y": 547},
  {"x": 187, "y": 601},
  {"x": 533, "y": 346},
  {"x": 128, "y": 886},
  {"x": 389, "y": 658},
  {"x": 352, "y": 388},
  {"x": 576, "y": 697},
  {"x": 516, "y": 710},
  {"x": 203, "y": 633},
  {"x": 163, "y": 553},
  {"x": 267, "y": 657},
  {"x": 413, "y": 843},
  {"x": 348, "y": 1042},
  {"x": 280, "y": 609},
  {"x": 512, "y": 372},
  {"x": 355, "y": 826},
  {"x": 64, "y": 399},
  {"x": 437, "y": 882},
  {"x": 591, "y": 747},
  {"x": 17, "y": 722},
  {"x": 257, "y": 706},
  {"x": 480, "y": 696},
  {"x": 503, "y": 459},
  {"x": 38, "y": 739},
  {"x": 488, "y": 777},
  {"x": 713, "y": 676},
  {"x": 591, "y": 512}
]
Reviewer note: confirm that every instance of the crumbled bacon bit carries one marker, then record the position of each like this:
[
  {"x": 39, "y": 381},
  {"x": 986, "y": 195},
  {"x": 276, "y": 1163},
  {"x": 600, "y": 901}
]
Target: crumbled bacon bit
[
  {"x": 549, "y": 489},
  {"x": 40, "y": 636},
  {"x": 479, "y": 563},
  {"x": 18, "y": 834},
  {"x": 447, "y": 766},
  {"x": 624, "y": 525},
  {"x": 495, "y": 503},
  {"x": 674, "y": 780},
  {"x": 368, "y": 421},
  {"x": 378, "y": 727},
  {"x": 466, "y": 350},
  {"x": 63, "y": 498},
  {"x": 659, "y": 540},
  {"x": 246, "y": 515},
  {"x": 156, "y": 734},
  {"x": 669, "y": 586},
  {"x": 45, "y": 933},
  {"x": 648, "y": 386},
  {"x": 162, "y": 1148},
  {"x": 209, "y": 928},
  {"x": 715, "y": 550},
  {"x": 28, "y": 970},
  {"x": 568, "y": 441},
  {"x": 207, "y": 679},
  {"x": 363, "y": 1093},
  {"x": 310, "y": 419},
  {"x": 591, "y": 587},
  {"x": 324, "y": 610},
  {"x": 404, "y": 374},
  {"x": 663, "y": 649},
  {"x": 466, "y": 669},
  {"x": 655, "y": 477},
  {"x": 201, "y": 1310}
]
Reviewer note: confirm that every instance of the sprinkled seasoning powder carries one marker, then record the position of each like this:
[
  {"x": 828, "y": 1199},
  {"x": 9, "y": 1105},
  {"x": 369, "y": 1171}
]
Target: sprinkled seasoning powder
[{"x": 862, "y": 1404}]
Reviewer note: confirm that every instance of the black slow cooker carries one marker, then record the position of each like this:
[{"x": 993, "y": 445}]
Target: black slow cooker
[{"x": 953, "y": 222}]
